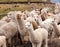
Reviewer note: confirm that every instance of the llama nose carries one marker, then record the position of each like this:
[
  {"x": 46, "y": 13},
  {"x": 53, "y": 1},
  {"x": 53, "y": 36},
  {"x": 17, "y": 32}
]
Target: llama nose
[{"x": 35, "y": 19}]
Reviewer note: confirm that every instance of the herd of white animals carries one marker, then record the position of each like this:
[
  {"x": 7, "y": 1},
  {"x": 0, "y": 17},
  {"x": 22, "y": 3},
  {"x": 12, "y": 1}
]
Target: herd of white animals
[{"x": 34, "y": 26}]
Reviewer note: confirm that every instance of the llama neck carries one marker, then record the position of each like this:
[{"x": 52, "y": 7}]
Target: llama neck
[
  {"x": 39, "y": 21},
  {"x": 56, "y": 29},
  {"x": 21, "y": 23},
  {"x": 31, "y": 33},
  {"x": 21, "y": 26}
]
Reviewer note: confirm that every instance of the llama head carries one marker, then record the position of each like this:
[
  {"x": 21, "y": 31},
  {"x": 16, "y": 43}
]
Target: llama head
[
  {"x": 11, "y": 14},
  {"x": 36, "y": 17},
  {"x": 53, "y": 21},
  {"x": 28, "y": 25},
  {"x": 18, "y": 16},
  {"x": 50, "y": 20}
]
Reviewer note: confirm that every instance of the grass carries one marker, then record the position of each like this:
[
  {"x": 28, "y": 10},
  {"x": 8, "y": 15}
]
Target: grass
[{"x": 5, "y": 8}]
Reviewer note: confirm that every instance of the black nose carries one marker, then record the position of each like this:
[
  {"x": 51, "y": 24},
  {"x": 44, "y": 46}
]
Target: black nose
[
  {"x": 29, "y": 25},
  {"x": 35, "y": 19}
]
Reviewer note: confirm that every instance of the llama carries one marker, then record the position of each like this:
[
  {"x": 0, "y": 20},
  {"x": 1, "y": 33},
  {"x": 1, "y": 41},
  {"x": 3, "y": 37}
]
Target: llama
[
  {"x": 2, "y": 22},
  {"x": 34, "y": 12},
  {"x": 45, "y": 24},
  {"x": 11, "y": 14},
  {"x": 57, "y": 18},
  {"x": 37, "y": 36},
  {"x": 2, "y": 38},
  {"x": 21, "y": 27},
  {"x": 44, "y": 13},
  {"x": 9, "y": 27},
  {"x": 5, "y": 18},
  {"x": 2, "y": 41},
  {"x": 32, "y": 20},
  {"x": 57, "y": 8},
  {"x": 9, "y": 30},
  {"x": 56, "y": 28},
  {"x": 26, "y": 13}
]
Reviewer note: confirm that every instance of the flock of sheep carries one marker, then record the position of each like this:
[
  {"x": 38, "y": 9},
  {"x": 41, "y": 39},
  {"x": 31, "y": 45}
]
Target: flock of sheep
[{"x": 34, "y": 26}]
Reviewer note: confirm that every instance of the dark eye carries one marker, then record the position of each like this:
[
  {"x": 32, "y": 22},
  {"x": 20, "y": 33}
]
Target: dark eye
[
  {"x": 37, "y": 16},
  {"x": 9, "y": 14},
  {"x": 35, "y": 19}
]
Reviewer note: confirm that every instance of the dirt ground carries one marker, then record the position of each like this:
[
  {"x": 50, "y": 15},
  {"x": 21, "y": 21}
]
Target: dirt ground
[{"x": 53, "y": 43}]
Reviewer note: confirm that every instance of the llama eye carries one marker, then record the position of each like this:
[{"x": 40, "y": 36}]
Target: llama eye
[
  {"x": 37, "y": 16},
  {"x": 9, "y": 14},
  {"x": 35, "y": 19}
]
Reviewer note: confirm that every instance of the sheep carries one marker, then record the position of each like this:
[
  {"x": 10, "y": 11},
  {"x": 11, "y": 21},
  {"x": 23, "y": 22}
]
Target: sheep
[
  {"x": 37, "y": 36},
  {"x": 2, "y": 41}
]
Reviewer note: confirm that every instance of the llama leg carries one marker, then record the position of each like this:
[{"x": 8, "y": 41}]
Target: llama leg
[
  {"x": 39, "y": 44},
  {"x": 46, "y": 42},
  {"x": 33, "y": 45},
  {"x": 16, "y": 39},
  {"x": 9, "y": 42},
  {"x": 4, "y": 45}
]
